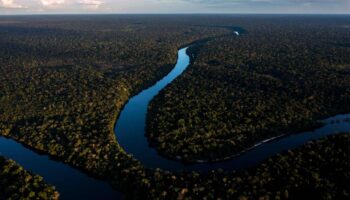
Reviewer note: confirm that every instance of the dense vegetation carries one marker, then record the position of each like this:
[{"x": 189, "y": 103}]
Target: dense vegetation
[
  {"x": 319, "y": 170},
  {"x": 17, "y": 183},
  {"x": 280, "y": 77},
  {"x": 64, "y": 80}
]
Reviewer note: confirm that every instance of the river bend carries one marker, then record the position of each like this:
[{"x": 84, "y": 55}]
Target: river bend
[{"x": 130, "y": 133}]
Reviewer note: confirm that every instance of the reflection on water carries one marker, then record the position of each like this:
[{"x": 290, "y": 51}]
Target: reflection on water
[
  {"x": 130, "y": 131},
  {"x": 70, "y": 183}
]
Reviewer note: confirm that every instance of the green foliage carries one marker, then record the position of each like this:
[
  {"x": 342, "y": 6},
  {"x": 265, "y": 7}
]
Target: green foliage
[
  {"x": 17, "y": 183},
  {"x": 318, "y": 170},
  {"x": 64, "y": 79},
  {"x": 280, "y": 77}
]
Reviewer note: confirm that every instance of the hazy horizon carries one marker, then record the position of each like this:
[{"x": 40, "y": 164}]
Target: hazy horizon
[
  {"x": 23, "y": 7},
  {"x": 101, "y": 14}
]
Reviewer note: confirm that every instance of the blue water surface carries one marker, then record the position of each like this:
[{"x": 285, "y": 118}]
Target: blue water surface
[
  {"x": 71, "y": 183},
  {"x": 130, "y": 133}
]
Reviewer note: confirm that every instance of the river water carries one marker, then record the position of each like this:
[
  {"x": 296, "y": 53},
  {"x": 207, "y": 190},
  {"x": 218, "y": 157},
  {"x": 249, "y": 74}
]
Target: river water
[
  {"x": 130, "y": 133},
  {"x": 71, "y": 183}
]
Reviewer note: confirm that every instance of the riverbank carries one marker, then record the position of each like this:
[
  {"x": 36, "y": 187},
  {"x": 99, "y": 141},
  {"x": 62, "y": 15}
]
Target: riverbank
[
  {"x": 242, "y": 90},
  {"x": 132, "y": 120},
  {"x": 17, "y": 183},
  {"x": 73, "y": 119}
]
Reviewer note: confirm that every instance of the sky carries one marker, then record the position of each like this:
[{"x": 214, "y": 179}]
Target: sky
[{"x": 172, "y": 6}]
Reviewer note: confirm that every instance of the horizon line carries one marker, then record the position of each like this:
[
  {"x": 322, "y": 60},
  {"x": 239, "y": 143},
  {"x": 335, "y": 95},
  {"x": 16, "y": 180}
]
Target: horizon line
[{"x": 185, "y": 13}]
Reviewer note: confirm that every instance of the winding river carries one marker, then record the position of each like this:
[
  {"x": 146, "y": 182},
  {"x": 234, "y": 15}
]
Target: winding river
[{"x": 130, "y": 132}]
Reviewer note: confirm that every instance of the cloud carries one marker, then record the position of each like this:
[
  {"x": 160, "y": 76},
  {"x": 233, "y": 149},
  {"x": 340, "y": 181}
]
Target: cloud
[
  {"x": 91, "y": 4},
  {"x": 10, "y": 4},
  {"x": 52, "y": 3},
  {"x": 71, "y": 4},
  {"x": 84, "y": 4}
]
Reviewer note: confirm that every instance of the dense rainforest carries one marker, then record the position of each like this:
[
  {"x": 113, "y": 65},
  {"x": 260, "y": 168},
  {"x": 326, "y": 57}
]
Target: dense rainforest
[
  {"x": 17, "y": 183},
  {"x": 318, "y": 170},
  {"x": 64, "y": 80},
  {"x": 280, "y": 77}
]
